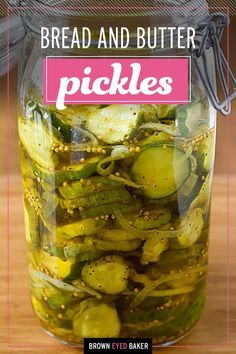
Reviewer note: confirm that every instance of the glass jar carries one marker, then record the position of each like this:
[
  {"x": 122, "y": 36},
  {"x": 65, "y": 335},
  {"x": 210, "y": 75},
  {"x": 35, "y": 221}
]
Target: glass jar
[{"x": 117, "y": 216}]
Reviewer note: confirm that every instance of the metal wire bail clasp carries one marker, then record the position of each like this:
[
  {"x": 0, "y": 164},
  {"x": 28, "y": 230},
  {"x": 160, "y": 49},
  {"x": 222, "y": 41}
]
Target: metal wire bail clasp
[{"x": 208, "y": 36}]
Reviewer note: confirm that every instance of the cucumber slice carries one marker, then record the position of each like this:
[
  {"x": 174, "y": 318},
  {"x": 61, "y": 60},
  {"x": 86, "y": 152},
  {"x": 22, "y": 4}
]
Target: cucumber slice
[
  {"x": 154, "y": 219},
  {"x": 52, "y": 264},
  {"x": 161, "y": 169},
  {"x": 69, "y": 133},
  {"x": 191, "y": 229},
  {"x": 97, "y": 322},
  {"x": 188, "y": 187},
  {"x": 75, "y": 273},
  {"x": 72, "y": 116},
  {"x": 180, "y": 259},
  {"x": 97, "y": 184},
  {"x": 119, "y": 246},
  {"x": 38, "y": 141},
  {"x": 157, "y": 137},
  {"x": 67, "y": 124},
  {"x": 56, "y": 301},
  {"x": 71, "y": 173},
  {"x": 202, "y": 199},
  {"x": 73, "y": 135},
  {"x": 81, "y": 252},
  {"x": 151, "y": 112},
  {"x": 173, "y": 309},
  {"x": 53, "y": 249},
  {"x": 152, "y": 249},
  {"x": 167, "y": 111},
  {"x": 31, "y": 224},
  {"x": 109, "y": 209},
  {"x": 79, "y": 228},
  {"x": 205, "y": 154},
  {"x": 26, "y": 169},
  {"x": 116, "y": 235},
  {"x": 39, "y": 309},
  {"x": 188, "y": 118},
  {"x": 115, "y": 123},
  {"x": 106, "y": 197},
  {"x": 108, "y": 274}
]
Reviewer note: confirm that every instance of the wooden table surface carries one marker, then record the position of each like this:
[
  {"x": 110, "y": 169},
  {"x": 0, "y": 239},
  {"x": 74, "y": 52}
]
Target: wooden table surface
[{"x": 19, "y": 331}]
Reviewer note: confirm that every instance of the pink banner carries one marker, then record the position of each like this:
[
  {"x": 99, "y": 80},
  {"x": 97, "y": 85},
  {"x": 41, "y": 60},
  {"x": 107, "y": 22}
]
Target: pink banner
[{"x": 93, "y": 80}]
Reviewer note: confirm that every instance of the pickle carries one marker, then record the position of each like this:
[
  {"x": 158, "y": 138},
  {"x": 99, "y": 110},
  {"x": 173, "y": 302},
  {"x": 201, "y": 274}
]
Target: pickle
[
  {"x": 106, "y": 197},
  {"x": 115, "y": 123},
  {"x": 71, "y": 173},
  {"x": 153, "y": 218},
  {"x": 168, "y": 111},
  {"x": 151, "y": 112},
  {"x": 54, "y": 250},
  {"x": 152, "y": 249},
  {"x": 161, "y": 180},
  {"x": 204, "y": 153},
  {"x": 31, "y": 224},
  {"x": 98, "y": 274},
  {"x": 108, "y": 209},
  {"x": 53, "y": 264},
  {"x": 167, "y": 311},
  {"x": 124, "y": 246},
  {"x": 92, "y": 321},
  {"x": 96, "y": 184},
  {"x": 57, "y": 301},
  {"x": 188, "y": 118},
  {"x": 39, "y": 309},
  {"x": 116, "y": 202},
  {"x": 81, "y": 252},
  {"x": 171, "y": 327},
  {"x": 79, "y": 228},
  {"x": 191, "y": 230},
  {"x": 70, "y": 134},
  {"x": 116, "y": 235},
  {"x": 38, "y": 141}
]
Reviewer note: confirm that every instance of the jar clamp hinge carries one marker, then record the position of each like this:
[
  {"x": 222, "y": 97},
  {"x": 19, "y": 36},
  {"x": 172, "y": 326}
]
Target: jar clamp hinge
[{"x": 209, "y": 35}]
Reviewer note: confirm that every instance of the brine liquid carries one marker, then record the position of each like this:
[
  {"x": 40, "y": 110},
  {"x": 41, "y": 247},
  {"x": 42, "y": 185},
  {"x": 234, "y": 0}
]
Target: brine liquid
[{"x": 106, "y": 257}]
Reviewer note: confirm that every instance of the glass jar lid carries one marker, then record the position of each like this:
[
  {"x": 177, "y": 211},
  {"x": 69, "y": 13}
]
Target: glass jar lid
[{"x": 192, "y": 13}]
